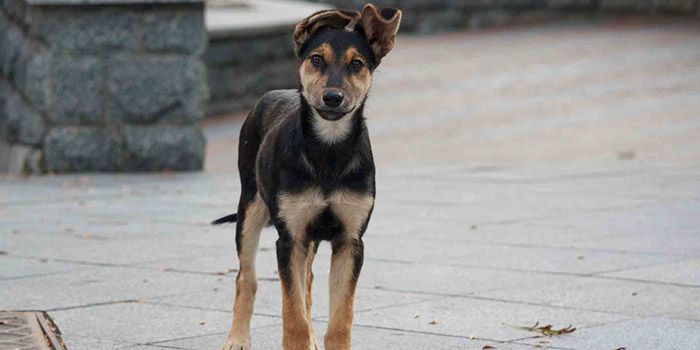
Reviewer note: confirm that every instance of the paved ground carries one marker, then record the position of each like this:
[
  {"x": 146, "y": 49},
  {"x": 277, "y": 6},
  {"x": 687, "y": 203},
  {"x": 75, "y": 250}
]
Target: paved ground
[{"x": 548, "y": 174}]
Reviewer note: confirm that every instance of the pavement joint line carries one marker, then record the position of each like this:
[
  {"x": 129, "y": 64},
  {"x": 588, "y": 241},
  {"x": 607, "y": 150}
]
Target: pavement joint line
[
  {"x": 137, "y": 266},
  {"x": 467, "y": 337},
  {"x": 97, "y": 304},
  {"x": 397, "y": 305},
  {"x": 276, "y": 279},
  {"x": 14, "y": 278},
  {"x": 228, "y": 311},
  {"x": 124, "y": 301},
  {"x": 508, "y": 301},
  {"x": 159, "y": 342},
  {"x": 534, "y": 245}
]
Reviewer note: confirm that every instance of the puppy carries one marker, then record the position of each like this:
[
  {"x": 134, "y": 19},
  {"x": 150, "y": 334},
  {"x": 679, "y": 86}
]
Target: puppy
[{"x": 306, "y": 167}]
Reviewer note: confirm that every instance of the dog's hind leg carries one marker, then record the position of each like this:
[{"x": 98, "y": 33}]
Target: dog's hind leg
[{"x": 252, "y": 217}]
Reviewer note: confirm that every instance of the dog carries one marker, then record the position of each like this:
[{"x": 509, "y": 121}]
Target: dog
[{"x": 306, "y": 167}]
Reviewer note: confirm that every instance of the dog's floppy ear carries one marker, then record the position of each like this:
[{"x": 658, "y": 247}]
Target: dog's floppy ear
[
  {"x": 327, "y": 18},
  {"x": 380, "y": 27}
]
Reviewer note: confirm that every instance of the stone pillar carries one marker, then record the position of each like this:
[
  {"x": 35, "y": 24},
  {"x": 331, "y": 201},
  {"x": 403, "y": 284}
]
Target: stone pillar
[{"x": 101, "y": 85}]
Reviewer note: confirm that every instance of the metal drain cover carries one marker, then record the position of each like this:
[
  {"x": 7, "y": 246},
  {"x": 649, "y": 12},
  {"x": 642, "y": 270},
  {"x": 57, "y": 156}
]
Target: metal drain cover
[{"x": 28, "y": 330}]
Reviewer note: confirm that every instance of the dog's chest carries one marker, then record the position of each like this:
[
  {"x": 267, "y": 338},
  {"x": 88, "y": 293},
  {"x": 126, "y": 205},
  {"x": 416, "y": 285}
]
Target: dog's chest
[{"x": 313, "y": 214}]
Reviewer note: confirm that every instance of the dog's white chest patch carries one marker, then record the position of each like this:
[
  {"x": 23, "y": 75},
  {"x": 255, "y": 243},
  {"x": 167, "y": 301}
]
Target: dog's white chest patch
[
  {"x": 332, "y": 131},
  {"x": 299, "y": 210}
]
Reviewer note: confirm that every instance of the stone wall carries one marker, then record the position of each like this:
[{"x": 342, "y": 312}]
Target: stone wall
[
  {"x": 427, "y": 16},
  {"x": 243, "y": 65},
  {"x": 101, "y": 85}
]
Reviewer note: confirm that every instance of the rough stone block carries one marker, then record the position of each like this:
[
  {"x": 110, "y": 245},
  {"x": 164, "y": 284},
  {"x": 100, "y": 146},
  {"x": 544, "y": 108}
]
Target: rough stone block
[
  {"x": 674, "y": 6},
  {"x": 644, "y": 6},
  {"x": 87, "y": 28},
  {"x": 153, "y": 148},
  {"x": 10, "y": 40},
  {"x": 77, "y": 91},
  {"x": 146, "y": 89},
  {"x": 18, "y": 122},
  {"x": 174, "y": 30},
  {"x": 19, "y": 160},
  {"x": 250, "y": 51},
  {"x": 70, "y": 149},
  {"x": 31, "y": 74},
  {"x": 571, "y": 4},
  {"x": 15, "y": 9}
]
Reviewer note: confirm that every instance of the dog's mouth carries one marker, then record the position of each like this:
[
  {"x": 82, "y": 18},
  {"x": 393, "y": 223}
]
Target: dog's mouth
[{"x": 331, "y": 114}]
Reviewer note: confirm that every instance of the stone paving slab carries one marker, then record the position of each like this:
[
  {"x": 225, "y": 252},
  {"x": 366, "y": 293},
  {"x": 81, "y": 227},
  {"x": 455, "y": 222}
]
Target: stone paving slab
[
  {"x": 144, "y": 323},
  {"x": 484, "y": 319},
  {"x": 616, "y": 296},
  {"x": 98, "y": 285},
  {"x": 77, "y": 342},
  {"x": 684, "y": 272},
  {"x": 13, "y": 268},
  {"x": 268, "y": 302},
  {"x": 363, "y": 338},
  {"x": 645, "y": 333}
]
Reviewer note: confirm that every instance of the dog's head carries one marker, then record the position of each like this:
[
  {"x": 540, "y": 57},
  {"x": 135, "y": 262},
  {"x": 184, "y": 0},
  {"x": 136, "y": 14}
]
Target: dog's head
[{"x": 338, "y": 50}]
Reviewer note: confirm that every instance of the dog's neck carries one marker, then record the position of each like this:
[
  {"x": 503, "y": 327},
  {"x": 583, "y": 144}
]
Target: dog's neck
[{"x": 324, "y": 133}]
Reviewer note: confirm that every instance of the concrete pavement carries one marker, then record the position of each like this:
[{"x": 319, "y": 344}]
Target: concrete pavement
[{"x": 545, "y": 174}]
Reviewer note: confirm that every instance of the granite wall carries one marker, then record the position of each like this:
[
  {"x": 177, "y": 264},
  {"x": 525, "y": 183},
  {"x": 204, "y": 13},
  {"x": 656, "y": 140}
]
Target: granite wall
[
  {"x": 242, "y": 65},
  {"x": 101, "y": 85}
]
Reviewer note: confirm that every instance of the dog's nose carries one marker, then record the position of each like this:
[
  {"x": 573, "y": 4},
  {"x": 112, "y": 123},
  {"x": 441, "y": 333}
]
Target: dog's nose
[{"x": 333, "y": 99}]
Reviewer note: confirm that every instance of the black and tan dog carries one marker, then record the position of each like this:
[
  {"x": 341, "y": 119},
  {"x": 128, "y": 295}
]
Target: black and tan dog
[{"x": 306, "y": 166}]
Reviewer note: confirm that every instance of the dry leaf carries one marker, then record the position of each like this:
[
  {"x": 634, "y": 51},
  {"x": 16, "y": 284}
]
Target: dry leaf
[
  {"x": 433, "y": 322},
  {"x": 486, "y": 347},
  {"x": 547, "y": 329}
]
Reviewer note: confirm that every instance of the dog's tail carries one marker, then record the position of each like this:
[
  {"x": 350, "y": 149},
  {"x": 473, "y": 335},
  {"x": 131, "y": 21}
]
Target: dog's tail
[{"x": 226, "y": 219}]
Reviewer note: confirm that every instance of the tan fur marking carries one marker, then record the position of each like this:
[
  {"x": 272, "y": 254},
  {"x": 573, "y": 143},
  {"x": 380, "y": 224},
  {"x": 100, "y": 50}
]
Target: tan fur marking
[
  {"x": 312, "y": 80},
  {"x": 360, "y": 82},
  {"x": 256, "y": 215},
  {"x": 299, "y": 209},
  {"x": 352, "y": 209},
  {"x": 309, "y": 284},
  {"x": 342, "y": 296},
  {"x": 297, "y": 331}
]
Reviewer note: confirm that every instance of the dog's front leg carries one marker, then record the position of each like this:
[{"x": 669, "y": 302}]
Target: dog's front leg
[
  {"x": 292, "y": 258},
  {"x": 346, "y": 264}
]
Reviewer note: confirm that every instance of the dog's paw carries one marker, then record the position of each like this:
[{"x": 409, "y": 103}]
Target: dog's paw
[{"x": 235, "y": 344}]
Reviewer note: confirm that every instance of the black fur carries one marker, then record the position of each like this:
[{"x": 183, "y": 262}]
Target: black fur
[{"x": 226, "y": 219}]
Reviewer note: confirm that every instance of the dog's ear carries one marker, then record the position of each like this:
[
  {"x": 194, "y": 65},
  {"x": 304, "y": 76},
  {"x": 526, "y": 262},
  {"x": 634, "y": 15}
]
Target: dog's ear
[
  {"x": 327, "y": 18},
  {"x": 380, "y": 27}
]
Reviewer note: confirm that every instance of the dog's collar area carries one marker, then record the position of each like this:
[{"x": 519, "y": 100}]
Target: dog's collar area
[{"x": 331, "y": 131}]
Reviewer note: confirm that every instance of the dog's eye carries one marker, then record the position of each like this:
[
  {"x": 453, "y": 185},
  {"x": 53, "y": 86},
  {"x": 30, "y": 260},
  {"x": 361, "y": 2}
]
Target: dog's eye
[
  {"x": 356, "y": 65},
  {"x": 317, "y": 60}
]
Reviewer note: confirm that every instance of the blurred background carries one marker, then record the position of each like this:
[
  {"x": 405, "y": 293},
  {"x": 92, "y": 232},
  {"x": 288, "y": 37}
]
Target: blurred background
[{"x": 538, "y": 161}]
